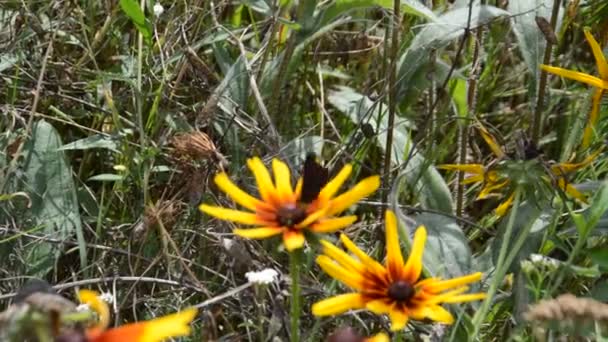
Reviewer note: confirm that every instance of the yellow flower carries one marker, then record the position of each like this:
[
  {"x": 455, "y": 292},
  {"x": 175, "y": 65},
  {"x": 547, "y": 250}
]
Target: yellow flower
[
  {"x": 155, "y": 330},
  {"x": 497, "y": 180},
  {"x": 311, "y": 206},
  {"x": 600, "y": 83},
  {"x": 394, "y": 288}
]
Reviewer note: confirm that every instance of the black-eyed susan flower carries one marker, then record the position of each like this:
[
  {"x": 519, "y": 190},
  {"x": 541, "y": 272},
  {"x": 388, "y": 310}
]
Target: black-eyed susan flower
[
  {"x": 393, "y": 288},
  {"x": 498, "y": 178},
  {"x": 600, "y": 83},
  {"x": 156, "y": 330},
  {"x": 282, "y": 209}
]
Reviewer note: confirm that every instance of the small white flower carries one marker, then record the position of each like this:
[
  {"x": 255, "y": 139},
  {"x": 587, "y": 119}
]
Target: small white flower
[
  {"x": 264, "y": 277},
  {"x": 158, "y": 9},
  {"x": 83, "y": 307},
  {"x": 107, "y": 297}
]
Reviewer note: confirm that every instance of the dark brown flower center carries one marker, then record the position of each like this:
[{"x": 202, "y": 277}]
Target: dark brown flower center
[
  {"x": 289, "y": 216},
  {"x": 401, "y": 291}
]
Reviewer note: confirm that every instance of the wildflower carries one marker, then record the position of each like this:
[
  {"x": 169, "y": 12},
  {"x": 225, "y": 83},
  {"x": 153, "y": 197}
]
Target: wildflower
[
  {"x": 158, "y": 329},
  {"x": 311, "y": 206},
  {"x": 263, "y": 277},
  {"x": 498, "y": 178},
  {"x": 600, "y": 83},
  {"x": 158, "y": 9},
  {"x": 394, "y": 288}
]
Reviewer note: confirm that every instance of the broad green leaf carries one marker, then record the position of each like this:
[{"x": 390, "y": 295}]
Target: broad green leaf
[
  {"x": 419, "y": 173},
  {"x": 49, "y": 183},
  {"x": 599, "y": 256},
  {"x": 94, "y": 141},
  {"x": 531, "y": 41},
  {"x": 341, "y": 7},
  {"x": 133, "y": 11},
  {"x": 295, "y": 151},
  {"x": 437, "y": 35}
]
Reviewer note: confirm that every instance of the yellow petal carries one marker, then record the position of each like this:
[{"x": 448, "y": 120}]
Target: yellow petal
[
  {"x": 600, "y": 59},
  {"x": 380, "y": 337},
  {"x": 347, "y": 277},
  {"x": 394, "y": 258},
  {"x": 258, "y": 233},
  {"x": 239, "y": 196},
  {"x": 91, "y": 298},
  {"x": 501, "y": 210},
  {"x": 469, "y": 168},
  {"x": 563, "y": 168},
  {"x": 571, "y": 190},
  {"x": 443, "y": 285},
  {"x": 174, "y": 325},
  {"x": 595, "y": 109},
  {"x": 465, "y": 298},
  {"x": 338, "y": 304},
  {"x": 473, "y": 179},
  {"x": 489, "y": 139},
  {"x": 490, "y": 187},
  {"x": 379, "y": 306},
  {"x": 398, "y": 319},
  {"x": 312, "y": 218},
  {"x": 262, "y": 178},
  {"x": 352, "y": 196},
  {"x": 282, "y": 178},
  {"x": 330, "y": 189},
  {"x": 231, "y": 215},
  {"x": 298, "y": 190},
  {"x": 342, "y": 257},
  {"x": 577, "y": 76},
  {"x": 293, "y": 239},
  {"x": 413, "y": 266},
  {"x": 439, "y": 314},
  {"x": 333, "y": 224},
  {"x": 374, "y": 266}
]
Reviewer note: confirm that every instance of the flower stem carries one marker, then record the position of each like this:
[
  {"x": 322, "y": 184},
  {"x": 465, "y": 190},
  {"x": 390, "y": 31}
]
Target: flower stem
[
  {"x": 501, "y": 268},
  {"x": 295, "y": 261}
]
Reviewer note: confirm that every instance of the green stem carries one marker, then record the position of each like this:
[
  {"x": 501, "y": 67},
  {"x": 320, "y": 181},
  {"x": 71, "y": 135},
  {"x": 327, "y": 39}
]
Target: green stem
[
  {"x": 295, "y": 261},
  {"x": 499, "y": 271}
]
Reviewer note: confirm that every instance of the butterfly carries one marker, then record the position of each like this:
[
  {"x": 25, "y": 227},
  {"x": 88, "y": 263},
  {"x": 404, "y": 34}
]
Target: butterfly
[{"x": 314, "y": 178}]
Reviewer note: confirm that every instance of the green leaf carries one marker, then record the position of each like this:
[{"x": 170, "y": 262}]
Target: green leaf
[
  {"x": 438, "y": 34},
  {"x": 341, "y": 7},
  {"x": 107, "y": 177},
  {"x": 419, "y": 173},
  {"x": 94, "y": 141},
  {"x": 295, "y": 151},
  {"x": 599, "y": 256},
  {"x": 531, "y": 41},
  {"x": 133, "y": 11},
  {"x": 53, "y": 195},
  {"x": 598, "y": 206}
]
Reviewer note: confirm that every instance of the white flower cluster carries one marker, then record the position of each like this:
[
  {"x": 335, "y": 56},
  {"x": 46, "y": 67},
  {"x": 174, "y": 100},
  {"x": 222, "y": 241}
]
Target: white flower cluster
[{"x": 263, "y": 277}]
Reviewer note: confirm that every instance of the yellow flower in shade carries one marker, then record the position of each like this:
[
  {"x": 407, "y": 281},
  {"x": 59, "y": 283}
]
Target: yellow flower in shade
[
  {"x": 156, "y": 330},
  {"x": 497, "y": 180},
  {"x": 394, "y": 288},
  {"x": 600, "y": 83},
  {"x": 311, "y": 206}
]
